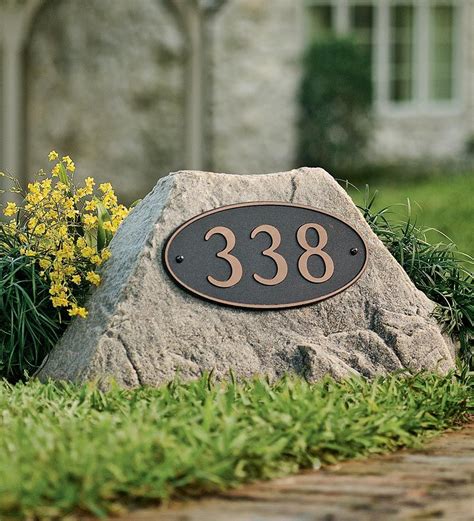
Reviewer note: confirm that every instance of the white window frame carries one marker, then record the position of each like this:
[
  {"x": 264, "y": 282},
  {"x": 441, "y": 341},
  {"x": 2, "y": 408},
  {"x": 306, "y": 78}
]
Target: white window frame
[{"x": 421, "y": 104}]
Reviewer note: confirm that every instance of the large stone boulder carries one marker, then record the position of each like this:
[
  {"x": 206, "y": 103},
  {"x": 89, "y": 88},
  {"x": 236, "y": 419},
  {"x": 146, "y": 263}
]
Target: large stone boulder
[{"x": 142, "y": 327}]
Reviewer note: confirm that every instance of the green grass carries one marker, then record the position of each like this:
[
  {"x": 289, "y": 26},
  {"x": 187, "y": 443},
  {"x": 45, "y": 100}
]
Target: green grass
[
  {"x": 65, "y": 448},
  {"x": 445, "y": 203}
]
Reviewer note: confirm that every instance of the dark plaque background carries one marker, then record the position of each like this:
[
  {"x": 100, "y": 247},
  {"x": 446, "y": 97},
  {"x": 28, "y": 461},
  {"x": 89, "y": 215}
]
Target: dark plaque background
[{"x": 189, "y": 258}]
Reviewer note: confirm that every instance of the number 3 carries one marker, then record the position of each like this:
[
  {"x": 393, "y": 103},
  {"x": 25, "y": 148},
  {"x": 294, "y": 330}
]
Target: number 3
[
  {"x": 282, "y": 266},
  {"x": 235, "y": 266}
]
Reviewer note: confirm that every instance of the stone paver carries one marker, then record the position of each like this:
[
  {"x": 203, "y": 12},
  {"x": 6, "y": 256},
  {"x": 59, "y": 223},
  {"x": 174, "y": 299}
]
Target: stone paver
[{"x": 435, "y": 483}]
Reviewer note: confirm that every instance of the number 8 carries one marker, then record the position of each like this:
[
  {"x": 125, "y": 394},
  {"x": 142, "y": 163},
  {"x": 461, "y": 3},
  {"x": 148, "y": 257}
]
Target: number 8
[{"x": 314, "y": 250}]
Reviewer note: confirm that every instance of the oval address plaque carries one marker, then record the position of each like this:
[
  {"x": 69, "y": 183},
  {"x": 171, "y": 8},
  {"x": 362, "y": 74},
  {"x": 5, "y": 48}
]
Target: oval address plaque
[{"x": 265, "y": 255}]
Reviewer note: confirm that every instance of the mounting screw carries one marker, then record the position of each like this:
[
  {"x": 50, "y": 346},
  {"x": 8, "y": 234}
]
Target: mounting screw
[
  {"x": 179, "y": 259},
  {"x": 354, "y": 251}
]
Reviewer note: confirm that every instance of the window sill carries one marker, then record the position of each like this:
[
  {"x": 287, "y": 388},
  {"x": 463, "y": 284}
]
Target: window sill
[{"x": 416, "y": 109}]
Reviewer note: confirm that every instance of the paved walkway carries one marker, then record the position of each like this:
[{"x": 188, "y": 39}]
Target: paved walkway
[{"x": 436, "y": 483}]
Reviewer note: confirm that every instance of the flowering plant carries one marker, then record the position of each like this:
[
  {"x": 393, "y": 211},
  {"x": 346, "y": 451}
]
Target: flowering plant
[
  {"x": 66, "y": 229},
  {"x": 51, "y": 249}
]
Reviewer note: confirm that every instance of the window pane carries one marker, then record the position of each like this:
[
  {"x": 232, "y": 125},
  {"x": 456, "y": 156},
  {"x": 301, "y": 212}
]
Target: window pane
[
  {"x": 401, "y": 52},
  {"x": 362, "y": 23},
  {"x": 441, "y": 51},
  {"x": 319, "y": 19}
]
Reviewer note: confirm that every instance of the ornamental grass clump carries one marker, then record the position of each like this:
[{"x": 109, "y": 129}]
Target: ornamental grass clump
[
  {"x": 51, "y": 250},
  {"x": 439, "y": 270}
]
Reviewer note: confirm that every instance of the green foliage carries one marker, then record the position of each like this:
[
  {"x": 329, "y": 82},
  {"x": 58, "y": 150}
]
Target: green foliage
[
  {"x": 50, "y": 252},
  {"x": 436, "y": 269},
  {"x": 335, "y": 101},
  {"x": 440, "y": 201},
  {"x": 66, "y": 448},
  {"x": 29, "y": 325}
]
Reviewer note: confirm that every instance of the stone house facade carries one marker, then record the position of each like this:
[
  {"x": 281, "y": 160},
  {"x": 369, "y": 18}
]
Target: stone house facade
[{"x": 133, "y": 89}]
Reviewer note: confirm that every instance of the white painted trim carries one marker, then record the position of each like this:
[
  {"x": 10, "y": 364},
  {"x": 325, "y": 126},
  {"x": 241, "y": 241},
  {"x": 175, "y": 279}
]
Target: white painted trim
[
  {"x": 421, "y": 61},
  {"x": 460, "y": 25},
  {"x": 342, "y": 19},
  {"x": 382, "y": 54},
  {"x": 414, "y": 110}
]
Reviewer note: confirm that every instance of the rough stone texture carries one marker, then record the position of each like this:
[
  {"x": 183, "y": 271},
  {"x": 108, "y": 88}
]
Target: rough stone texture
[{"x": 142, "y": 327}]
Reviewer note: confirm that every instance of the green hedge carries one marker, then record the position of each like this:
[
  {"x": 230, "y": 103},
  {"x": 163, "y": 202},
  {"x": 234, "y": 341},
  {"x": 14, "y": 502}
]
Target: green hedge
[{"x": 335, "y": 105}]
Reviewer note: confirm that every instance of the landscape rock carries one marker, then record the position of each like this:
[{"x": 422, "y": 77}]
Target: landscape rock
[{"x": 142, "y": 328}]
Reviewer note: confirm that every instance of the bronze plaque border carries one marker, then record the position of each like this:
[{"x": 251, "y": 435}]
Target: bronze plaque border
[{"x": 259, "y": 306}]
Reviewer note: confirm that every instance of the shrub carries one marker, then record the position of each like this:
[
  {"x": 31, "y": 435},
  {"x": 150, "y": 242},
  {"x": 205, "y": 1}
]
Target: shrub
[
  {"x": 51, "y": 251},
  {"x": 438, "y": 270},
  {"x": 335, "y": 100}
]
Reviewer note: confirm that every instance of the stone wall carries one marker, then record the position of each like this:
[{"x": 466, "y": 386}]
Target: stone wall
[
  {"x": 105, "y": 83},
  {"x": 257, "y": 46}
]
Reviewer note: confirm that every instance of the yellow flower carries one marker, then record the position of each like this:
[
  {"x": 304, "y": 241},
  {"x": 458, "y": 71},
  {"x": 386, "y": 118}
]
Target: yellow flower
[
  {"x": 56, "y": 288},
  {"x": 90, "y": 206},
  {"x": 60, "y": 227},
  {"x": 81, "y": 192},
  {"x": 32, "y": 223},
  {"x": 59, "y": 302},
  {"x": 95, "y": 259},
  {"x": 109, "y": 200},
  {"x": 10, "y": 209},
  {"x": 77, "y": 311},
  {"x": 62, "y": 230},
  {"x": 105, "y": 254},
  {"x": 93, "y": 278},
  {"x": 45, "y": 263},
  {"x": 69, "y": 270},
  {"x": 105, "y": 187},
  {"x": 46, "y": 187},
  {"x": 69, "y": 163},
  {"x": 40, "y": 229},
  {"x": 89, "y": 183},
  {"x": 87, "y": 252},
  {"x": 56, "y": 170},
  {"x": 89, "y": 220}
]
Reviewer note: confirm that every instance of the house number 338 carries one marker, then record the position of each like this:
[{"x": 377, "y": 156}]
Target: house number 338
[{"x": 271, "y": 252}]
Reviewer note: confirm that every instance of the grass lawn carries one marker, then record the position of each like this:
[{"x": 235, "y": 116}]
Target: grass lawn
[
  {"x": 68, "y": 449},
  {"x": 444, "y": 203}
]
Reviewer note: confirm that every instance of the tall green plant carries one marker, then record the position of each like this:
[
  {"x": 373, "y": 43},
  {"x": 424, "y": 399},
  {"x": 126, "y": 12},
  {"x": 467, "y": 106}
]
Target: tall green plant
[
  {"x": 29, "y": 325},
  {"x": 335, "y": 101},
  {"x": 438, "y": 270}
]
